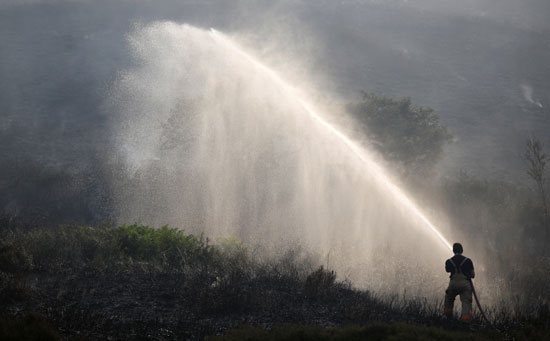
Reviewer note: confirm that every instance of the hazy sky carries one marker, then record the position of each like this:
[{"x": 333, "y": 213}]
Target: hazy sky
[
  {"x": 481, "y": 64},
  {"x": 526, "y": 13}
]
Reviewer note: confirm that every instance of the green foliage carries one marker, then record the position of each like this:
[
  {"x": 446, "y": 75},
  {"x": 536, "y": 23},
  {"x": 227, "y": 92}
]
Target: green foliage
[
  {"x": 234, "y": 254},
  {"x": 93, "y": 265},
  {"x": 232, "y": 245},
  {"x": 411, "y": 137},
  {"x": 54, "y": 249},
  {"x": 166, "y": 244}
]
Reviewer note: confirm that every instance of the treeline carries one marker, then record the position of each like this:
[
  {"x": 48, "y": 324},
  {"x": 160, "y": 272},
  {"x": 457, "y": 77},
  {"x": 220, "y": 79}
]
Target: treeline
[{"x": 506, "y": 225}]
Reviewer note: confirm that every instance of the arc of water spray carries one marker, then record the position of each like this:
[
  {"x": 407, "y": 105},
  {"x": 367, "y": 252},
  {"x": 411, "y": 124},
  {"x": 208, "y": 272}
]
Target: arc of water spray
[{"x": 355, "y": 149}]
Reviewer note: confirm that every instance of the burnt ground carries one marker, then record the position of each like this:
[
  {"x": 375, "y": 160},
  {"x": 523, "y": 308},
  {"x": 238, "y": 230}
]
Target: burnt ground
[
  {"x": 134, "y": 305},
  {"x": 135, "y": 282}
]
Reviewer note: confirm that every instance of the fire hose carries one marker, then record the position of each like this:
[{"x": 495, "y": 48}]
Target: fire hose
[{"x": 479, "y": 306}]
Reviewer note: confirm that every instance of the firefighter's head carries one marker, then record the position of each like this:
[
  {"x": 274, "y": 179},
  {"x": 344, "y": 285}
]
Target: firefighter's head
[{"x": 457, "y": 248}]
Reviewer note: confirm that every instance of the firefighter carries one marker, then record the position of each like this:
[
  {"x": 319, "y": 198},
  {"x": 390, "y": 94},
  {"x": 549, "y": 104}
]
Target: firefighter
[{"x": 462, "y": 271}]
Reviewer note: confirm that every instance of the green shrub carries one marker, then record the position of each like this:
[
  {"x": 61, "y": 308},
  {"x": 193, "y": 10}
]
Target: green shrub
[
  {"x": 72, "y": 247},
  {"x": 167, "y": 245}
]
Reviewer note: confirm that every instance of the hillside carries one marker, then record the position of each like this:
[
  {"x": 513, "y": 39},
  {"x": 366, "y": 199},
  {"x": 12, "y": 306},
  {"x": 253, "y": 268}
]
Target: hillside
[{"x": 137, "y": 282}]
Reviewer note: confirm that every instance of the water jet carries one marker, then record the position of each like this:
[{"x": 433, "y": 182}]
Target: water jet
[{"x": 219, "y": 143}]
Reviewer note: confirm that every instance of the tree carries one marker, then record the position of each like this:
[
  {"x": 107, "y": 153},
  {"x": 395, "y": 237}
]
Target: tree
[
  {"x": 536, "y": 161},
  {"x": 409, "y": 136}
]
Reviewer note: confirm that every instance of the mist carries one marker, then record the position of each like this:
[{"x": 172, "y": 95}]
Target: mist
[
  {"x": 122, "y": 112},
  {"x": 467, "y": 66}
]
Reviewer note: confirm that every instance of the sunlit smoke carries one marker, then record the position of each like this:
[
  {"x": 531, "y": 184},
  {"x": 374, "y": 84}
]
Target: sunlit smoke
[
  {"x": 528, "y": 95},
  {"x": 218, "y": 143}
]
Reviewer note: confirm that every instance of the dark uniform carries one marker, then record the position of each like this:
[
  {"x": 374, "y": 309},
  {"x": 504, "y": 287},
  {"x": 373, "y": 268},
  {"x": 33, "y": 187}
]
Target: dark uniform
[{"x": 462, "y": 270}]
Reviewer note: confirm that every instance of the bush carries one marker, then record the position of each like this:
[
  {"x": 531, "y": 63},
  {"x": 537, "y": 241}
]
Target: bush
[
  {"x": 73, "y": 247},
  {"x": 167, "y": 245},
  {"x": 410, "y": 137}
]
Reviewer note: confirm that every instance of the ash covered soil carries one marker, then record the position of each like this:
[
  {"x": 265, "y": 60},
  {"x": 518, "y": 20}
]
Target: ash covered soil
[
  {"x": 165, "y": 306},
  {"x": 136, "y": 282}
]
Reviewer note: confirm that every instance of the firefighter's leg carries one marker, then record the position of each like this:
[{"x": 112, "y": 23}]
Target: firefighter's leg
[
  {"x": 448, "y": 305},
  {"x": 466, "y": 300}
]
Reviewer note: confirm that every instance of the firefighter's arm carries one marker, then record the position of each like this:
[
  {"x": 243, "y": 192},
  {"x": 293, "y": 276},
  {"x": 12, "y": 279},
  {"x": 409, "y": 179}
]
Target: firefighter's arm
[{"x": 472, "y": 274}]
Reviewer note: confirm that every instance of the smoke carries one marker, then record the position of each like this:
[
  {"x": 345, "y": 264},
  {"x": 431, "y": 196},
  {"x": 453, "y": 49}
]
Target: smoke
[
  {"x": 128, "y": 120},
  {"x": 528, "y": 95},
  {"x": 527, "y": 14},
  {"x": 59, "y": 59}
]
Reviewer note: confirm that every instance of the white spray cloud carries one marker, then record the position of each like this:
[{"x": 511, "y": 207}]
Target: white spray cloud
[{"x": 239, "y": 151}]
